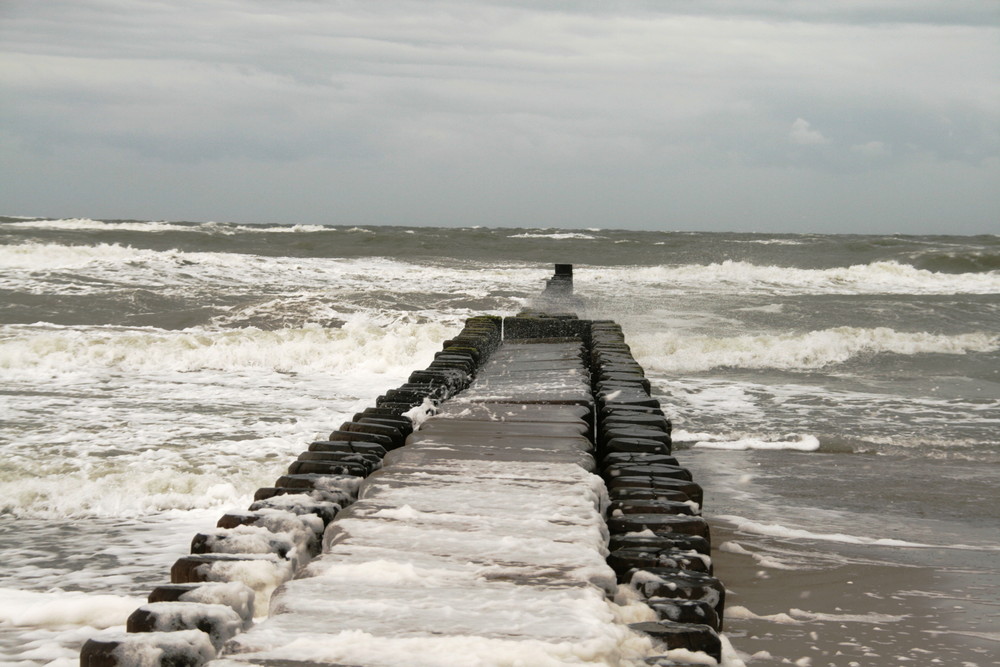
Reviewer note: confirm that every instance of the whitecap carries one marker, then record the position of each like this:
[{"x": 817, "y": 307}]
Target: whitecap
[
  {"x": 559, "y": 236},
  {"x": 777, "y": 530},
  {"x": 882, "y": 277},
  {"x": 81, "y": 224},
  {"x": 673, "y": 352},
  {"x": 75, "y": 224},
  {"x": 804, "y": 443}
]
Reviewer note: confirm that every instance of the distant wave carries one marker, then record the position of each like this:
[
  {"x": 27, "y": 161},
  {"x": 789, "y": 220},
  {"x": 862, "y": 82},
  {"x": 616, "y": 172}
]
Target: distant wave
[
  {"x": 559, "y": 236},
  {"x": 52, "y": 256},
  {"x": 885, "y": 277},
  {"x": 772, "y": 241},
  {"x": 163, "y": 226},
  {"x": 89, "y": 224},
  {"x": 60, "y": 257},
  {"x": 300, "y": 284},
  {"x": 959, "y": 261},
  {"x": 675, "y": 352}
]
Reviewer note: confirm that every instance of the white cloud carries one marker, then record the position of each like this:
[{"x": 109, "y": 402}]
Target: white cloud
[
  {"x": 803, "y": 134},
  {"x": 872, "y": 149}
]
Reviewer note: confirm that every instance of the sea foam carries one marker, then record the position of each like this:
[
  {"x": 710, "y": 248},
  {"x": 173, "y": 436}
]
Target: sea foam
[
  {"x": 55, "y": 608},
  {"x": 672, "y": 351},
  {"x": 363, "y": 343},
  {"x": 557, "y": 236},
  {"x": 777, "y": 530},
  {"x": 182, "y": 419},
  {"x": 805, "y": 443},
  {"x": 883, "y": 277},
  {"x": 80, "y": 224}
]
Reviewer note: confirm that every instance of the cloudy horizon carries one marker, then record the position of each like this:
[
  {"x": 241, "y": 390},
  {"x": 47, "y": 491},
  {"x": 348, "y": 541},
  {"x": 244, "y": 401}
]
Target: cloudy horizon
[{"x": 730, "y": 115}]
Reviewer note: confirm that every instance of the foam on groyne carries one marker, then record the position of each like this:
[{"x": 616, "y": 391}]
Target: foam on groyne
[{"x": 516, "y": 502}]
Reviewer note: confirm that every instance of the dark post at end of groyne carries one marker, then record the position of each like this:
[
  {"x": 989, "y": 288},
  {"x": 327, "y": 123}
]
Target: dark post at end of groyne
[
  {"x": 659, "y": 542},
  {"x": 562, "y": 281}
]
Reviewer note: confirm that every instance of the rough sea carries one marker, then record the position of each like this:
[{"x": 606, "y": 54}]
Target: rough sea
[{"x": 837, "y": 396}]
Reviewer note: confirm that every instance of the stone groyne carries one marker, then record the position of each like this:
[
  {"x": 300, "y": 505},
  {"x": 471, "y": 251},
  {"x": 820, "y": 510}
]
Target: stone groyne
[{"x": 516, "y": 502}]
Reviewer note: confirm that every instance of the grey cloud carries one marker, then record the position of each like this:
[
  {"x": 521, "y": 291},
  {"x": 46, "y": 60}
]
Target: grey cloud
[{"x": 499, "y": 112}]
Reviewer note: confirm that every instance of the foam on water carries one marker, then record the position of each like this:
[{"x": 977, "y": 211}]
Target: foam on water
[
  {"x": 675, "y": 352},
  {"x": 805, "y": 443},
  {"x": 558, "y": 236},
  {"x": 762, "y": 559},
  {"x": 87, "y": 224},
  {"x": 179, "y": 267},
  {"x": 777, "y": 530},
  {"x": 797, "y": 616},
  {"x": 62, "y": 584},
  {"x": 232, "y": 290},
  {"x": 182, "y": 419},
  {"x": 853, "y": 418},
  {"x": 56, "y": 608},
  {"x": 883, "y": 277},
  {"x": 52, "y": 256},
  {"x": 364, "y": 344}
]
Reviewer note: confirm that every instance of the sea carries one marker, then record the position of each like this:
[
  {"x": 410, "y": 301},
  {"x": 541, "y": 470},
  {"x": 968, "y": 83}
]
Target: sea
[{"x": 838, "y": 396}]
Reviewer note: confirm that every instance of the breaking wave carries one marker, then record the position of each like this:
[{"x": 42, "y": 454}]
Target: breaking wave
[
  {"x": 558, "y": 236},
  {"x": 671, "y": 352},
  {"x": 363, "y": 342},
  {"x": 88, "y": 224},
  {"x": 884, "y": 277}
]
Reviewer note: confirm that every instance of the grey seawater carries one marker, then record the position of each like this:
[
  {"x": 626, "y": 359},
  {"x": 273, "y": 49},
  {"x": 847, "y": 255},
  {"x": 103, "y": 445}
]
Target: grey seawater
[
  {"x": 205, "y": 355},
  {"x": 880, "y": 546},
  {"x": 839, "y": 559}
]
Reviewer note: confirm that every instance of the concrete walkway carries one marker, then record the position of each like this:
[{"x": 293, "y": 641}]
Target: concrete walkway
[{"x": 482, "y": 541}]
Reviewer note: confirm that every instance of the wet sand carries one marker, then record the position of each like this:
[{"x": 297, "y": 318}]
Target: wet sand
[
  {"x": 848, "y": 595},
  {"x": 866, "y": 613}
]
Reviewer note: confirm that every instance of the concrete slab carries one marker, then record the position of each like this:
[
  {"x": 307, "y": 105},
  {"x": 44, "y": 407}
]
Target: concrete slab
[
  {"x": 472, "y": 429},
  {"x": 513, "y": 412},
  {"x": 482, "y": 540}
]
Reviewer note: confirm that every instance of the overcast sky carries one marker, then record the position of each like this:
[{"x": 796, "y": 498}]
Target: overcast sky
[{"x": 757, "y": 115}]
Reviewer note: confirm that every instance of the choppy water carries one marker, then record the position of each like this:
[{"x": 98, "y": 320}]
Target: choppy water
[{"x": 155, "y": 373}]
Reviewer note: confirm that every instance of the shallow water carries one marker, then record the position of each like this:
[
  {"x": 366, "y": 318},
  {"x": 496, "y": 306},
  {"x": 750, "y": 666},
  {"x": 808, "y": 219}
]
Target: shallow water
[
  {"x": 839, "y": 559},
  {"x": 837, "y": 396}
]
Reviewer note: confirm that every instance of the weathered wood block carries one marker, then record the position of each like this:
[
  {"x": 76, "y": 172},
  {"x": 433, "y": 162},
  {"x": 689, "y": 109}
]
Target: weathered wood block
[
  {"x": 661, "y": 541},
  {"x": 234, "y": 594},
  {"x": 218, "y": 621},
  {"x": 624, "y": 560},
  {"x": 329, "y": 468},
  {"x": 673, "y": 584},
  {"x": 653, "y": 470},
  {"x": 639, "y": 458},
  {"x": 694, "y": 491},
  {"x": 659, "y": 523},
  {"x": 652, "y": 507},
  {"x": 353, "y": 436},
  {"x": 637, "y": 493},
  {"x": 686, "y": 611},
  {"x": 187, "y": 648},
  {"x": 633, "y": 446},
  {"x": 690, "y": 636}
]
